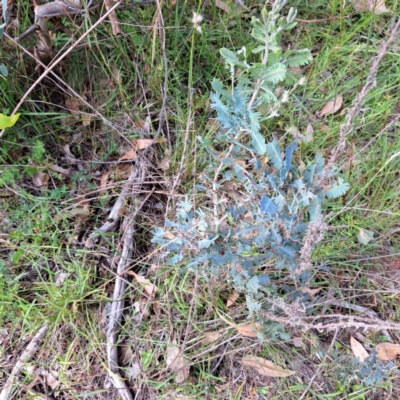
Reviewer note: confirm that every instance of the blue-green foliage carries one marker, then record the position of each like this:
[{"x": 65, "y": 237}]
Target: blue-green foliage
[
  {"x": 3, "y": 68},
  {"x": 252, "y": 235},
  {"x": 374, "y": 371}
]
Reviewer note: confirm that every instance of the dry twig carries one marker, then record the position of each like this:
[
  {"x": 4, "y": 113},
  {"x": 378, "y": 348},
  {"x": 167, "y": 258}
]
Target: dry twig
[
  {"x": 115, "y": 316},
  {"x": 27, "y": 354},
  {"x": 113, "y": 218}
]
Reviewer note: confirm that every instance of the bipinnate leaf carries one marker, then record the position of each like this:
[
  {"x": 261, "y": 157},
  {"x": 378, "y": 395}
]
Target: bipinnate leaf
[
  {"x": 274, "y": 153},
  {"x": 358, "y": 349},
  {"x": 3, "y": 70},
  {"x": 267, "y": 205},
  {"x": 387, "y": 351},
  {"x": 274, "y": 73},
  {"x": 337, "y": 191},
  {"x": 266, "y": 368},
  {"x": 258, "y": 143},
  {"x": 8, "y": 122},
  {"x": 299, "y": 58},
  {"x": 364, "y": 236},
  {"x": 231, "y": 58},
  {"x": 331, "y": 107}
]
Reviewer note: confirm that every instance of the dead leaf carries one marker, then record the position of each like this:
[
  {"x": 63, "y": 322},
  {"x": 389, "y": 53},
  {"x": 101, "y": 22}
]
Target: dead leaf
[
  {"x": 311, "y": 292},
  {"x": 169, "y": 235},
  {"x": 223, "y": 6},
  {"x": 331, "y": 107},
  {"x": 116, "y": 74},
  {"x": 40, "y": 179},
  {"x": 364, "y": 236},
  {"x": 266, "y": 368},
  {"x": 388, "y": 351},
  {"x": 51, "y": 379},
  {"x": 358, "y": 349},
  {"x": 133, "y": 371},
  {"x": 124, "y": 171},
  {"x": 148, "y": 286},
  {"x": 103, "y": 182},
  {"x": 129, "y": 155},
  {"x": 164, "y": 163},
  {"x": 307, "y": 138},
  {"x": 377, "y": 6},
  {"x": 211, "y": 337},
  {"x": 60, "y": 277},
  {"x": 73, "y": 105},
  {"x": 232, "y": 298},
  {"x": 144, "y": 143},
  {"x": 126, "y": 354},
  {"x": 298, "y": 342},
  {"x": 143, "y": 126},
  {"x": 249, "y": 330},
  {"x": 176, "y": 362},
  {"x": 324, "y": 128},
  {"x": 60, "y": 170}
]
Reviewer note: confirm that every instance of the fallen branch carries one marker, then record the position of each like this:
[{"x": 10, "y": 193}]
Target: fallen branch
[
  {"x": 115, "y": 316},
  {"x": 26, "y": 355},
  {"x": 112, "y": 220}
]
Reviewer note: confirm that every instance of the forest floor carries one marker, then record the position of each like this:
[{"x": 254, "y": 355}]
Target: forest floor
[{"x": 141, "y": 99}]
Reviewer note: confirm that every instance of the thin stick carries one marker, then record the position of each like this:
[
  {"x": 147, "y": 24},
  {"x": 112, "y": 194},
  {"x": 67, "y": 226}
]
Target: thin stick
[
  {"x": 59, "y": 59},
  {"x": 27, "y": 354},
  {"x": 313, "y": 21},
  {"x": 115, "y": 316}
]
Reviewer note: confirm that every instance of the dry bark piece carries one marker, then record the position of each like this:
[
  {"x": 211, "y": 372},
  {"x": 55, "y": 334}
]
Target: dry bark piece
[
  {"x": 388, "y": 351},
  {"x": 331, "y": 107},
  {"x": 113, "y": 18},
  {"x": 266, "y": 368},
  {"x": 358, "y": 349}
]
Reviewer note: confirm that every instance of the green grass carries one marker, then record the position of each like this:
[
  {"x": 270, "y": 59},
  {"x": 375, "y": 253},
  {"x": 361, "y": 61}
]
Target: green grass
[{"x": 46, "y": 274}]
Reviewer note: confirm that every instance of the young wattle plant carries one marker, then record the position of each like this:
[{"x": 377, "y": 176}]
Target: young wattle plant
[{"x": 254, "y": 235}]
